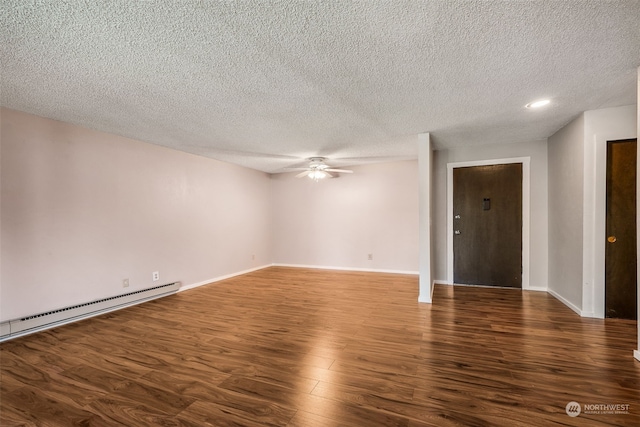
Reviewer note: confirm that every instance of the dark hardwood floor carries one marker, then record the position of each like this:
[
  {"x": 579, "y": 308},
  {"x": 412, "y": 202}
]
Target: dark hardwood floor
[{"x": 298, "y": 347}]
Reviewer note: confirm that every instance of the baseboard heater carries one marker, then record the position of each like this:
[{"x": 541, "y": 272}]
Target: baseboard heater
[{"x": 39, "y": 322}]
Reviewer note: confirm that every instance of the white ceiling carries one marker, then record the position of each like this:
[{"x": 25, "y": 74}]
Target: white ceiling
[{"x": 266, "y": 84}]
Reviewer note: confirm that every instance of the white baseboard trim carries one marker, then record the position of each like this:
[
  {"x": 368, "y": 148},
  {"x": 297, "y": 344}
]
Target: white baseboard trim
[
  {"x": 536, "y": 289},
  {"x": 366, "y": 270},
  {"x": 219, "y": 278},
  {"x": 316, "y": 267},
  {"x": 426, "y": 300},
  {"x": 636, "y": 354},
  {"x": 530, "y": 288},
  {"x": 566, "y": 302}
]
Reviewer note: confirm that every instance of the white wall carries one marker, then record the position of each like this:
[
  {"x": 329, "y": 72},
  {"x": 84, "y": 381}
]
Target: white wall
[
  {"x": 338, "y": 222},
  {"x": 425, "y": 166},
  {"x": 577, "y": 205},
  {"x": 566, "y": 181},
  {"x": 600, "y": 126},
  {"x": 537, "y": 151},
  {"x": 83, "y": 210}
]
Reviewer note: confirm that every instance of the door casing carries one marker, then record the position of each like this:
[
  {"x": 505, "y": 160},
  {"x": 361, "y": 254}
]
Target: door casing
[{"x": 595, "y": 187}]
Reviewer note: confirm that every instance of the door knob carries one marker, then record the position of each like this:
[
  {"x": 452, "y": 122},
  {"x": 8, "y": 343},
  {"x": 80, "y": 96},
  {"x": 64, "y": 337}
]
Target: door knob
[
  {"x": 456, "y": 232},
  {"x": 611, "y": 239}
]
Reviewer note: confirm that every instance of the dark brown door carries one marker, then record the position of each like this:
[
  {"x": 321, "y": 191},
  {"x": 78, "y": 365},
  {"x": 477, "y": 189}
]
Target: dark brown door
[
  {"x": 620, "y": 253},
  {"x": 487, "y": 240}
]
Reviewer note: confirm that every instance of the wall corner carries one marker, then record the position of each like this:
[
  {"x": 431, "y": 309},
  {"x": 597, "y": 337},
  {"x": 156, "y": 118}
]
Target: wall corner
[{"x": 425, "y": 161}]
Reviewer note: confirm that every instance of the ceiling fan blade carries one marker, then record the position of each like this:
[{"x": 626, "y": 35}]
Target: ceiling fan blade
[
  {"x": 303, "y": 174},
  {"x": 294, "y": 169},
  {"x": 338, "y": 170},
  {"x": 328, "y": 174}
]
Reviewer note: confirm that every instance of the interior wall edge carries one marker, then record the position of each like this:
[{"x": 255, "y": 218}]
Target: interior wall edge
[
  {"x": 224, "y": 277},
  {"x": 566, "y": 302}
]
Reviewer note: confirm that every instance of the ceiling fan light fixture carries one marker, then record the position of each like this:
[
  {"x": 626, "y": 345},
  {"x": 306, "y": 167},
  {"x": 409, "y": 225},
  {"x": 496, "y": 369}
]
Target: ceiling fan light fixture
[
  {"x": 317, "y": 174},
  {"x": 538, "y": 104},
  {"x": 318, "y": 170}
]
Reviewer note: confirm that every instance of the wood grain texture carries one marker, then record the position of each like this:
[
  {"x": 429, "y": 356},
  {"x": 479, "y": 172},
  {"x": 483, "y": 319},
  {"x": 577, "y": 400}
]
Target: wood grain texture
[
  {"x": 621, "y": 264},
  {"x": 301, "y": 347}
]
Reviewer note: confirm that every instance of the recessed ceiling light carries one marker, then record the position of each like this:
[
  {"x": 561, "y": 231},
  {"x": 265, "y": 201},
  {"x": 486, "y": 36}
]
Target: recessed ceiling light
[{"x": 538, "y": 104}]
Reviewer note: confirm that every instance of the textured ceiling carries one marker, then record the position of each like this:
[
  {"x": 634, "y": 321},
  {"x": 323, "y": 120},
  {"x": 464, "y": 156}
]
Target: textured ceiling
[{"x": 266, "y": 84}]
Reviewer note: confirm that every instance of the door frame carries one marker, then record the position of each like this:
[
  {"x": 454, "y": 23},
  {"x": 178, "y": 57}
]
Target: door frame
[
  {"x": 526, "y": 203},
  {"x": 594, "y": 228}
]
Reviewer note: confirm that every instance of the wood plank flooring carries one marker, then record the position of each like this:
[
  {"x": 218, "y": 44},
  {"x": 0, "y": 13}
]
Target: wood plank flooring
[{"x": 299, "y": 347}]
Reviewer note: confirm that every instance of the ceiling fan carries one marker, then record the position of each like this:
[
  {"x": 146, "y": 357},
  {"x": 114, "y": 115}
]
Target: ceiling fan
[{"x": 318, "y": 169}]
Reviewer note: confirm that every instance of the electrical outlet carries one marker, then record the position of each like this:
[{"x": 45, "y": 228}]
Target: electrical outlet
[
  {"x": 370, "y": 257},
  {"x": 253, "y": 257},
  {"x": 125, "y": 283},
  {"x": 156, "y": 276}
]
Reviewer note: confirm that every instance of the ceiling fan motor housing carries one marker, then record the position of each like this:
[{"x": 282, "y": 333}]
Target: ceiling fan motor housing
[{"x": 317, "y": 163}]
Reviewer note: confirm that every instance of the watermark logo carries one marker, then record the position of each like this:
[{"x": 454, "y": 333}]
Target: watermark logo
[
  {"x": 573, "y": 409},
  {"x": 606, "y": 408}
]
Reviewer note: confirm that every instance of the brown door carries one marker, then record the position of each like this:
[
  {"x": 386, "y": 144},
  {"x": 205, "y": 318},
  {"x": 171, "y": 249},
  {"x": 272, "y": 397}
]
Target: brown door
[
  {"x": 620, "y": 253},
  {"x": 487, "y": 240}
]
